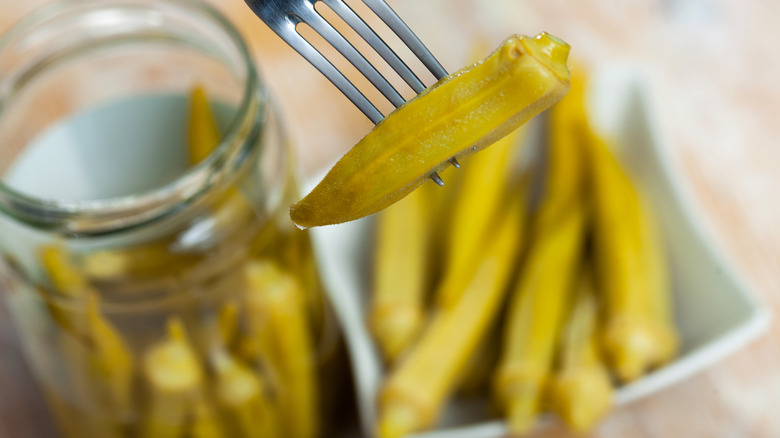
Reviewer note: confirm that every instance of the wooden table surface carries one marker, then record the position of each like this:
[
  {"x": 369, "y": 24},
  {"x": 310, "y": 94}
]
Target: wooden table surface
[{"x": 714, "y": 68}]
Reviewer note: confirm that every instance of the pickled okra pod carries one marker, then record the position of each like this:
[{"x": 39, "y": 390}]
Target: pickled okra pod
[
  {"x": 243, "y": 399},
  {"x": 461, "y": 114},
  {"x": 638, "y": 332},
  {"x": 292, "y": 249},
  {"x": 240, "y": 391},
  {"x": 485, "y": 176},
  {"x": 535, "y": 317},
  {"x": 109, "y": 362},
  {"x": 416, "y": 390},
  {"x": 174, "y": 382},
  {"x": 155, "y": 259},
  {"x": 580, "y": 391},
  {"x": 401, "y": 269},
  {"x": 65, "y": 280},
  {"x": 539, "y": 302},
  {"x": 278, "y": 318},
  {"x": 61, "y": 273},
  {"x": 202, "y": 130},
  {"x": 477, "y": 374},
  {"x": 97, "y": 359}
]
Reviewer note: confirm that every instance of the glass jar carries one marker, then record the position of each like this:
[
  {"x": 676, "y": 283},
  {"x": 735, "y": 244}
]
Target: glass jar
[{"x": 154, "y": 296}]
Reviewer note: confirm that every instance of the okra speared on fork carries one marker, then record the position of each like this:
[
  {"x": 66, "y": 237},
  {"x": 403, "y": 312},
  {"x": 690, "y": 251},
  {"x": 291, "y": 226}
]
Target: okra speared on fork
[{"x": 461, "y": 114}]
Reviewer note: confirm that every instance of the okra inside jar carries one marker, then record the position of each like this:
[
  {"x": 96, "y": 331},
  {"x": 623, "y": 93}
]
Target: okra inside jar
[{"x": 157, "y": 283}]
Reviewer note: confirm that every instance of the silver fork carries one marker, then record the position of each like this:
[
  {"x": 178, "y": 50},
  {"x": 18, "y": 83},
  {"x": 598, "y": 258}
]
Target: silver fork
[{"x": 283, "y": 17}]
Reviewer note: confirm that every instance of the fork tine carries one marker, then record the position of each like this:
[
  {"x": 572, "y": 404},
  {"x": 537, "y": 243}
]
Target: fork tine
[
  {"x": 375, "y": 41},
  {"x": 313, "y": 18},
  {"x": 283, "y": 17},
  {"x": 315, "y": 58},
  {"x": 394, "y": 22}
]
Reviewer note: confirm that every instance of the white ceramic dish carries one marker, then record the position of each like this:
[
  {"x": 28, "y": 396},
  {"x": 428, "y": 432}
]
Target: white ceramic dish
[{"x": 715, "y": 311}]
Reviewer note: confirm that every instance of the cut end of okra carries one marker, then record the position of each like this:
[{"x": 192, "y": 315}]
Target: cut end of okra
[
  {"x": 397, "y": 420},
  {"x": 551, "y": 51},
  {"x": 104, "y": 265},
  {"x": 461, "y": 114},
  {"x": 173, "y": 365},
  {"x": 634, "y": 347},
  {"x": 582, "y": 397},
  {"x": 262, "y": 274},
  {"x": 580, "y": 392},
  {"x": 396, "y": 327},
  {"x": 630, "y": 360},
  {"x": 237, "y": 383}
]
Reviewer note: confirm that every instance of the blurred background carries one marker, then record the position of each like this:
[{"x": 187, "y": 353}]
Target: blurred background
[{"x": 713, "y": 72}]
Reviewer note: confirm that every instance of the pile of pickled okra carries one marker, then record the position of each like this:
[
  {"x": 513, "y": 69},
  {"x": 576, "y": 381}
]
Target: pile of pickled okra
[{"x": 542, "y": 287}]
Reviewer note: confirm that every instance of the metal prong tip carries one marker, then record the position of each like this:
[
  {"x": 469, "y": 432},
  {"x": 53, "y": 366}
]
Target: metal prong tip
[
  {"x": 454, "y": 163},
  {"x": 437, "y": 179}
]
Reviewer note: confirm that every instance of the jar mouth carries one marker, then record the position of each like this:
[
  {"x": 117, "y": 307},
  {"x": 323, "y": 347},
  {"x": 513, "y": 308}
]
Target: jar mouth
[{"x": 124, "y": 212}]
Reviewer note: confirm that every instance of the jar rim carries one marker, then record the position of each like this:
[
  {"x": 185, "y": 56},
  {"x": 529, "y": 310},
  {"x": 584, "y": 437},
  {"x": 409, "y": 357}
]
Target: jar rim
[{"x": 119, "y": 213}]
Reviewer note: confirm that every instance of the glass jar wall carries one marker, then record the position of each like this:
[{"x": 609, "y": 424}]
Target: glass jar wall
[{"x": 156, "y": 295}]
